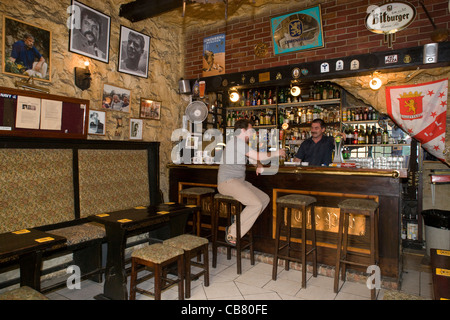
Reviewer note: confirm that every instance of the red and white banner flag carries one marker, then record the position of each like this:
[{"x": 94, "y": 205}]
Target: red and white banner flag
[{"x": 421, "y": 111}]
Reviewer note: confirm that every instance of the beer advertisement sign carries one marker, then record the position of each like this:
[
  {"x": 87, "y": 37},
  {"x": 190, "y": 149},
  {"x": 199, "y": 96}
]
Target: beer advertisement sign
[
  {"x": 390, "y": 17},
  {"x": 296, "y": 31}
]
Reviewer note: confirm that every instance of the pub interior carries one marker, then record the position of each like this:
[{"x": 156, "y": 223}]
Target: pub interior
[{"x": 113, "y": 123}]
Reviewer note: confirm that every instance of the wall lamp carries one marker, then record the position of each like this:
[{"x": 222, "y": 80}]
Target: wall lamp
[
  {"x": 375, "y": 83},
  {"x": 234, "y": 95},
  {"x": 295, "y": 89},
  {"x": 83, "y": 77}
]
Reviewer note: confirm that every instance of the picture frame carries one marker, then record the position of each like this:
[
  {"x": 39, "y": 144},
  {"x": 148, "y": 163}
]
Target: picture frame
[
  {"x": 136, "y": 129},
  {"x": 89, "y": 32},
  {"x": 97, "y": 122},
  {"x": 150, "y": 109},
  {"x": 116, "y": 98},
  {"x": 17, "y": 35},
  {"x": 134, "y": 52},
  {"x": 300, "y": 30}
]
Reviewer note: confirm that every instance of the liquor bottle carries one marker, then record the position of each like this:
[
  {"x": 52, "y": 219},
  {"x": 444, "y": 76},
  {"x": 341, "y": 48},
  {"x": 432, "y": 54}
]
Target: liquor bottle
[
  {"x": 317, "y": 95},
  {"x": 349, "y": 135},
  {"x": 361, "y": 135},
  {"x": 369, "y": 114},
  {"x": 330, "y": 91},
  {"x": 262, "y": 118},
  {"x": 229, "y": 119},
  {"x": 291, "y": 117},
  {"x": 256, "y": 121},
  {"x": 264, "y": 100},
  {"x": 355, "y": 135},
  {"x": 324, "y": 93},
  {"x": 356, "y": 117},
  {"x": 311, "y": 93},
  {"x": 309, "y": 116},
  {"x": 379, "y": 136},
  {"x": 373, "y": 139},
  {"x": 365, "y": 115},
  {"x": 344, "y": 115},
  {"x": 269, "y": 98},
  {"x": 281, "y": 117},
  {"x": 337, "y": 93},
  {"x": 385, "y": 136},
  {"x": 267, "y": 120},
  {"x": 242, "y": 102},
  {"x": 281, "y": 96},
  {"x": 248, "y": 101},
  {"x": 258, "y": 98},
  {"x": 368, "y": 135},
  {"x": 303, "y": 119}
]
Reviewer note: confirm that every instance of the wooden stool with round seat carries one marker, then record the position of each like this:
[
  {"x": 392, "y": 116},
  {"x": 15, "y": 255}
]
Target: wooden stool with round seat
[
  {"x": 192, "y": 247},
  {"x": 157, "y": 257},
  {"x": 368, "y": 208},
  {"x": 233, "y": 208},
  {"x": 197, "y": 196},
  {"x": 285, "y": 204}
]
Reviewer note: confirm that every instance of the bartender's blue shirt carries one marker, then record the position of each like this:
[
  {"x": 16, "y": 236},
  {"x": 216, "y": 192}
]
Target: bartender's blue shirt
[
  {"x": 316, "y": 154},
  {"x": 25, "y": 55}
]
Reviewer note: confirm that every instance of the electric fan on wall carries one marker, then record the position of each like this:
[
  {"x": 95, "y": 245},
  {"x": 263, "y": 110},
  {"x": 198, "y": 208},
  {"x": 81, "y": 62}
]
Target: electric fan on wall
[{"x": 196, "y": 111}]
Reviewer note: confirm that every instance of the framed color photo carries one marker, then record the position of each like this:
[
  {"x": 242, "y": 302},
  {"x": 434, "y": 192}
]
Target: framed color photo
[
  {"x": 136, "y": 127},
  {"x": 134, "y": 52},
  {"x": 89, "y": 32},
  {"x": 150, "y": 109},
  {"x": 18, "y": 39},
  {"x": 116, "y": 98},
  {"x": 301, "y": 30},
  {"x": 97, "y": 122}
]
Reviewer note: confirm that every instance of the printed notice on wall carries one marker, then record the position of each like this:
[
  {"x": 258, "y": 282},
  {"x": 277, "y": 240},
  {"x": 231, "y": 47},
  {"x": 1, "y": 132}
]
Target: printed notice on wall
[
  {"x": 28, "y": 112},
  {"x": 51, "y": 114}
]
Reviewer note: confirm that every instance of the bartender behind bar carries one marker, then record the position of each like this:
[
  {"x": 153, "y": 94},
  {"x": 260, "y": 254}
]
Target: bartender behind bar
[{"x": 318, "y": 149}]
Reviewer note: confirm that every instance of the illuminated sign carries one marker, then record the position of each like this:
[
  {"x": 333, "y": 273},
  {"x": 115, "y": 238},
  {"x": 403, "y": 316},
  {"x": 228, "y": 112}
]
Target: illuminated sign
[{"x": 390, "y": 17}]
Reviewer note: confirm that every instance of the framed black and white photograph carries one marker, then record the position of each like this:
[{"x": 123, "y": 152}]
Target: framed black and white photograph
[
  {"x": 26, "y": 50},
  {"x": 89, "y": 32},
  {"x": 136, "y": 127},
  {"x": 97, "y": 122},
  {"x": 116, "y": 98},
  {"x": 134, "y": 52}
]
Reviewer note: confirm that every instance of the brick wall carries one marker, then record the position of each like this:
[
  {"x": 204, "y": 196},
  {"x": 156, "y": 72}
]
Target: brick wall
[{"x": 343, "y": 27}]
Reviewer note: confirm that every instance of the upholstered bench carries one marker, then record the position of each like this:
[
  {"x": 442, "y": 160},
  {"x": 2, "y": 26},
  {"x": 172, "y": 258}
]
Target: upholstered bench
[
  {"x": 22, "y": 293},
  {"x": 85, "y": 242}
]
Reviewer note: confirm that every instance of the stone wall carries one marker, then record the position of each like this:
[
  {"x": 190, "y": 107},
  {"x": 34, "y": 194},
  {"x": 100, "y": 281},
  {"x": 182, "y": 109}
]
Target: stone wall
[{"x": 166, "y": 67}]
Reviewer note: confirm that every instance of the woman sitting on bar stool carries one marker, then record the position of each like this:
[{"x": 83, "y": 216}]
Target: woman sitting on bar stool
[{"x": 231, "y": 177}]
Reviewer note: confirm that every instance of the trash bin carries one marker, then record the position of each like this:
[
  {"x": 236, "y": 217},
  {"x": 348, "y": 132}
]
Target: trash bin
[{"x": 437, "y": 225}]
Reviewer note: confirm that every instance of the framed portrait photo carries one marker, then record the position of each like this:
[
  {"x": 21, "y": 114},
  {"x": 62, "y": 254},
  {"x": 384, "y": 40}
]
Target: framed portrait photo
[
  {"x": 133, "y": 52},
  {"x": 301, "y": 30},
  {"x": 116, "y": 98},
  {"x": 97, "y": 122},
  {"x": 26, "y": 50},
  {"x": 89, "y": 32},
  {"x": 136, "y": 128},
  {"x": 150, "y": 109}
]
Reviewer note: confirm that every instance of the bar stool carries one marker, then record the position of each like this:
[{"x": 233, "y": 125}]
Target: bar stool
[
  {"x": 192, "y": 247},
  {"x": 157, "y": 257},
  {"x": 368, "y": 208},
  {"x": 232, "y": 208},
  {"x": 197, "y": 195},
  {"x": 286, "y": 204}
]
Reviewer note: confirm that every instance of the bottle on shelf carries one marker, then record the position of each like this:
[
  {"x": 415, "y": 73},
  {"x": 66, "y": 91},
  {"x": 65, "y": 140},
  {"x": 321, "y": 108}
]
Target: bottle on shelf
[
  {"x": 355, "y": 135},
  {"x": 368, "y": 136},
  {"x": 349, "y": 135},
  {"x": 379, "y": 136},
  {"x": 373, "y": 138},
  {"x": 385, "y": 136},
  {"x": 361, "y": 135}
]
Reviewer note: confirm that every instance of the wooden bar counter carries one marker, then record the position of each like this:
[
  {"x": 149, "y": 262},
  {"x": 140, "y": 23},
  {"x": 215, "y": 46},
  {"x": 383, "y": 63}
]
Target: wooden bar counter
[{"x": 329, "y": 185}]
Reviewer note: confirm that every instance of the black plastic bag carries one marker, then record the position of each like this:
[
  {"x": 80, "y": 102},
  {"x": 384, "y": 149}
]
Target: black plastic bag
[{"x": 437, "y": 218}]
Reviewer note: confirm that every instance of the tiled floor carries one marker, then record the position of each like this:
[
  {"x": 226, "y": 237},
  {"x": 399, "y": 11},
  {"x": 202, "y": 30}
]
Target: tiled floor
[{"x": 255, "y": 283}]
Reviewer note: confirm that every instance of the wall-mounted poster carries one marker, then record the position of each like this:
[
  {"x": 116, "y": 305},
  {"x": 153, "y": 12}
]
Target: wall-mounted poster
[
  {"x": 214, "y": 55},
  {"x": 89, "y": 32},
  {"x": 301, "y": 30},
  {"x": 26, "y": 50}
]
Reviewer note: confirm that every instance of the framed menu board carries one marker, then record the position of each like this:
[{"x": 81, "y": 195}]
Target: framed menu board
[{"x": 33, "y": 114}]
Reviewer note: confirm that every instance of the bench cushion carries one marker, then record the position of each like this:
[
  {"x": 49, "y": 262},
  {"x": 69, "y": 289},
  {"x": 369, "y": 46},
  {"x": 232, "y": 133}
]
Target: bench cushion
[
  {"x": 22, "y": 293},
  {"x": 197, "y": 191},
  {"x": 81, "y": 233},
  {"x": 358, "y": 204}
]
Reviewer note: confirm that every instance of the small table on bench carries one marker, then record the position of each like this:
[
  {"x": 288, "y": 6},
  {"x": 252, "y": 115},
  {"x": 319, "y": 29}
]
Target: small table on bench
[
  {"x": 118, "y": 225},
  {"x": 27, "y": 245}
]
